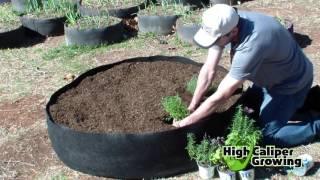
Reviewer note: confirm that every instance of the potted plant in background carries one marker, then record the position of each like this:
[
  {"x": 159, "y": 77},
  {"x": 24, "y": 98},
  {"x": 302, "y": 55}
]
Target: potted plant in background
[
  {"x": 47, "y": 18},
  {"x": 188, "y": 24},
  {"x": 160, "y": 18},
  {"x": 243, "y": 133},
  {"x": 202, "y": 153},
  {"x": 92, "y": 30},
  {"x": 116, "y": 8}
]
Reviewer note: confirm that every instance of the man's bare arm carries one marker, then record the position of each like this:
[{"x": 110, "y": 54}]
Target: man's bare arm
[{"x": 206, "y": 76}]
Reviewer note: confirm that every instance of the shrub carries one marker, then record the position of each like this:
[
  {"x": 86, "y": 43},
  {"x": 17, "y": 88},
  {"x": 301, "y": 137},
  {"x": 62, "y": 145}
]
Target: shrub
[{"x": 175, "y": 107}]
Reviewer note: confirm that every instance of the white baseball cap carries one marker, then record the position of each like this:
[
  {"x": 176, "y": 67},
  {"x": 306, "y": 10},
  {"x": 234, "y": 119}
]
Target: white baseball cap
[{"x": 217, "y": 21}]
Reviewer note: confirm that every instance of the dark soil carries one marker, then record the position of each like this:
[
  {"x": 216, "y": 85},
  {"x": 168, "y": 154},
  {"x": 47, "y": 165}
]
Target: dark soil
[{"x": 126, "y": 98}]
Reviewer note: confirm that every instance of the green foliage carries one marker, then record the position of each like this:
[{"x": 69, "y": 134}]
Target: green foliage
[
  {"x": 243, "y": 130},
  {"x": 243, "y": 133},
  {"x": 165, "y": 8},
  {"x": 192, "y": 85},
  {"x": 8, "y": 19},
  {"x": 67, "y": 52},
  {"x": 207, "y": 152},
  {"x": 50, "y": 8},
  {"x": 111, "y": 3},
  {"x": 175, "y": 107}
]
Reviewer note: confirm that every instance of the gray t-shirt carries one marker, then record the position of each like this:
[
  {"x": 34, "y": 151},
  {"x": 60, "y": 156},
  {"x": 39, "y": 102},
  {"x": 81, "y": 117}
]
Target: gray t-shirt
[{"x": 269, "y": 56}]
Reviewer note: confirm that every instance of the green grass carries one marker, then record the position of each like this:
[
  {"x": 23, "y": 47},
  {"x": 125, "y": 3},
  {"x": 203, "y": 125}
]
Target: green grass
[
  {"x": 165, "y": 8},
  {"x": 8, "y": 19},
  {"x": 174, "y": 106}
]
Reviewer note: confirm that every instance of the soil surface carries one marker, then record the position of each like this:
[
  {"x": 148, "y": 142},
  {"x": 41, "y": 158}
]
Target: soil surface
[{"x": 126, "y": 98}]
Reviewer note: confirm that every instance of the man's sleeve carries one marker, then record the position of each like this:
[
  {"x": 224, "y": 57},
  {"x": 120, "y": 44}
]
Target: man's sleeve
[{"x": 246, "y": 63}]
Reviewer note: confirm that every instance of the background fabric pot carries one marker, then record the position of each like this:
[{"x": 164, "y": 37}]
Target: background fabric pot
[
  {"x": 107, "y": 35},
  {"x": 247, "y": 174},
  {"x": 162, "y": 25},
  {"x": 45, "y": 27},
  {"x": 118, "y": 12},
  {"x": 128, "y": 155},
  {"x": 228, "y": 2},
  {"x": 186, "y": 32}
]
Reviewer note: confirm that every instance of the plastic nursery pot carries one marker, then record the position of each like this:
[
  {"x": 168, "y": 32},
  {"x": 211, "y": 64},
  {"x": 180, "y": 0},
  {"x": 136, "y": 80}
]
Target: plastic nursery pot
[
  {"x": 247, "y": 174},
  {"x": 106, "y": 35},
  {"x": 117, "y": 12},
  {"x": 161, "y": 25},
  {"x": 206, "y": 171},
  {"x": 186, "y": 32},
  {"x": 127, "y": 155},
  {"x": 44, "y": 26},
  {"x": 226, "y": 174}
]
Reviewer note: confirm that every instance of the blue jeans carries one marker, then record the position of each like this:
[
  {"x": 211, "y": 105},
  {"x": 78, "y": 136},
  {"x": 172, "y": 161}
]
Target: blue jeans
[{"x": 275, "y": 112}]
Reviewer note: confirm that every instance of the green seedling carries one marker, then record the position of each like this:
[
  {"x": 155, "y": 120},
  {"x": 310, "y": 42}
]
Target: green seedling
[
  {"x": 174, "y": 106},
  {"x": 165, "y": 8}
]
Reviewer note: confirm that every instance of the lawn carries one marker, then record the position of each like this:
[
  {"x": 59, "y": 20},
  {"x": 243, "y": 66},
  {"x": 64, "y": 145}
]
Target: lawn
[{"x": 29, "y": 75}]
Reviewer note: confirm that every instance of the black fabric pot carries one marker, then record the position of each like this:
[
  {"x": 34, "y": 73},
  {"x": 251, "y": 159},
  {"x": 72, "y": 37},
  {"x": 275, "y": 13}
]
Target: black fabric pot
[
  {"x": 228, "y": 2},
  {"x": 128, "y": 155},
  {"x": 119, "y": 12},
  {"x": 4, "y": 1},
  {"x": 107, "y": 35},
  {"x": 45, "y": 27},
  {"x": 162, "y": 25},
  {"x": 186, "y": 32}
]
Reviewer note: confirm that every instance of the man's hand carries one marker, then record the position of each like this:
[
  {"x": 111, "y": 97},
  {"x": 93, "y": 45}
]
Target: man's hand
[{"x": 184, "y": 122}]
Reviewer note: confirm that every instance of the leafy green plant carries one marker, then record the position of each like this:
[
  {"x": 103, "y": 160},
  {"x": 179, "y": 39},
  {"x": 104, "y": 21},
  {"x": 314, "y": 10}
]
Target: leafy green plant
[
  {"x": 205, "y": 150},
  {"x": 243, "y": 133},
  {"x": 49, "y": 8},
  {"x": 192, "y": 84},
  {"x": 175, "y": 107}
]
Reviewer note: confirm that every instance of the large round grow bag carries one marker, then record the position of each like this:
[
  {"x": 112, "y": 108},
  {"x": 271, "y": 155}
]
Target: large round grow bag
[
  {"x": 45, "y": 26},
  {"x": 130, "y": 155},
  {"x": 107, "y": 35},
  {"x": 117, "y": 12},
  {"x": 186, "y": 32},
  {"x": 162, "y": 25}
]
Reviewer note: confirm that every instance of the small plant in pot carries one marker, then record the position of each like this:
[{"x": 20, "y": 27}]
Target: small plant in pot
[
  {"x": 47, "y": 17},
  {"x": 202, "y": 152},
  {"x": 92, "y": 30},
  {"x": 243, "y": 133},
  {"x": 217, "y": 158},
  {"x": 160, "y": 18},
  {"x": 175, "y": 107}
]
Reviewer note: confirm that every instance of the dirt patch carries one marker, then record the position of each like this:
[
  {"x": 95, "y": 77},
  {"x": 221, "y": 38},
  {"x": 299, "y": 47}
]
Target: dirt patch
[
  {"x": 126, "y": 98},
  {"x": 22, "y": 112}
]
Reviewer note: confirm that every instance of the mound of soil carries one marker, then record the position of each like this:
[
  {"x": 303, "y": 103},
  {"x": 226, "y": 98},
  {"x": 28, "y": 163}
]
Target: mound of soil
[{"x": 127, "y": 97}]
